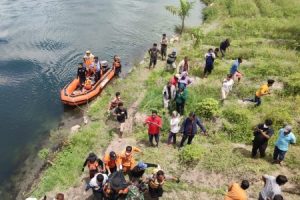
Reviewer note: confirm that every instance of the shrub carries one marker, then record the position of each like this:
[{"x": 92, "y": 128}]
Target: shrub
[
  {"x": 292, "y": 84},
  {"x": 207, "y": 108},
  {"x": 44, "y": 153},
  {"x": 246, "y": 8},
  {"x": 191, "y": 154},
  {"x": 238, "y": 124}
]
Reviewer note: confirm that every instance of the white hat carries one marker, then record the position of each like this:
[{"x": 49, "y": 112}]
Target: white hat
[
  {"x": 177, "y": 75},
  {"x": 288, "y": 128},
  {"x": 88, "y": 51}
]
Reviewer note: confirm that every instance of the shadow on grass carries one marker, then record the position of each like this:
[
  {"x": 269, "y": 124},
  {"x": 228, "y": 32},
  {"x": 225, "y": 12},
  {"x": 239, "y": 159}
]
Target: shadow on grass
[{"x": 242, "y": 151}]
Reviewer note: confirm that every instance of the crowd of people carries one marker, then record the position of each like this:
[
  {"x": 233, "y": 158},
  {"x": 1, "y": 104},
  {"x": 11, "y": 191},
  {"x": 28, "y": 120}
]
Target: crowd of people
[
  {"x": 92, "y": 69},
  {"x": 108, "y": 176}
]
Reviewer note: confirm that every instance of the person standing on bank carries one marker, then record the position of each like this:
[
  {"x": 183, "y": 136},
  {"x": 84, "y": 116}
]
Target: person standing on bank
[
  {"x": 286, "y": 137},
  {"x": 154, "y": 123},
  {"x": 209, "y": 62},
  {"x": 189, "y": 128},
  {"x": 169, "y": 93},
  {"x": 164, "y": 46},
  {"x": 224, "y": 46},
  {"x": 262, "y": 134},
  {"x": 174, "y": 127},
  {"x": 121, "y": 114},
  {"x": 153, "y": 53}
]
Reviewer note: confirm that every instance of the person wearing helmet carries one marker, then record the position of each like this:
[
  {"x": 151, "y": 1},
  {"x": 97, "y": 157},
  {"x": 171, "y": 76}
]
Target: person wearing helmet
[
  {"x": 110, "y": 162},
  {"x": 138, "y": 171},
  {"x": 285, "y": 138}
]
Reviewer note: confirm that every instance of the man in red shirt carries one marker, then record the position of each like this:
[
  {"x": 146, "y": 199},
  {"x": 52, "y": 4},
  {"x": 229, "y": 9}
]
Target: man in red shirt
[{"x": 154, "y": 123}]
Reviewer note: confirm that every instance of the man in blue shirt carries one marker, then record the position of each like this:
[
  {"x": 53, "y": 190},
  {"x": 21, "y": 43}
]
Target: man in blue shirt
[
  {"x": 189, "y": 128},
  {"x": 234, "y": 69},
  {"x": 286, "y": 137}
]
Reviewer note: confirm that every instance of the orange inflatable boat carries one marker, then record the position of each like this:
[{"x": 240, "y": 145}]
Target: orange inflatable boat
[{"x": 72, "y": 95}]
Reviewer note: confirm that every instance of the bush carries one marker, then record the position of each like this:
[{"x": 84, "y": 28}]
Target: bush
[
  {"x": 44, "y": 153},
  {"x": 191, "y": 154},
  {"x": 292, "y": 84},
  {"x": 238, "y": 124},
  {"x": 207, "y": 108},
  {"x": 244, "y": 8}
]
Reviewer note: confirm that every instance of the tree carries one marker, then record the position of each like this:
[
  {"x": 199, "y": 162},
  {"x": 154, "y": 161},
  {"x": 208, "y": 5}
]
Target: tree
[{"x": 182, "y": 11}]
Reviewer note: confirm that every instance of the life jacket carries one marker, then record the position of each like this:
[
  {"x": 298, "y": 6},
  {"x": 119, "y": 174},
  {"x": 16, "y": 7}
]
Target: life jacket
[
  {"x": 93, "y": 166},
  {"x": 88, "y": 84},
  {"x": 154, "y": 184}
]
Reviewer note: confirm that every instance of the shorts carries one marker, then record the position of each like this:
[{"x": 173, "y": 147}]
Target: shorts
[
  {"x": 153, "y": 61},
  {"x": 238, "y": 75},
  {"x": 122, "y": 127}
]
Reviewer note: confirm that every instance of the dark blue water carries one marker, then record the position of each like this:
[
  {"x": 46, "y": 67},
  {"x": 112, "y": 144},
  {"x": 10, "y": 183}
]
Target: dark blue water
[{"x": 40, "y": 43}]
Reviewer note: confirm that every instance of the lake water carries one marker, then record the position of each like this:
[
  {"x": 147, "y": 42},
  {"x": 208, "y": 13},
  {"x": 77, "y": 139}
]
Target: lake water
[{"x": 40, "y": 43}]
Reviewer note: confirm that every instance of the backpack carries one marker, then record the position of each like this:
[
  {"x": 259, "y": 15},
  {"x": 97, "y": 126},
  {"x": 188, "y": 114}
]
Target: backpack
[
  {"x": 117, "y": 181},
  {"x": 209, "y": 60}
]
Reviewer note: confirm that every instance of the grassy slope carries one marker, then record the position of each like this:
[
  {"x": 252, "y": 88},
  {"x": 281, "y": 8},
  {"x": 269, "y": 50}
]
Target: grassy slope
[{"x": 265, "y": 33}]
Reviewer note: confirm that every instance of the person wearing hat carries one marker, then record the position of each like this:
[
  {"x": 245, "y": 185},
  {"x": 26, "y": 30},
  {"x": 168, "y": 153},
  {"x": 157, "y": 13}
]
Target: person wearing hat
[
  {"x": 138, "y": 171},
  {"x": 94, "y": 164},
  {"x": 88, "y": 60},
  {"x": 170, "y": 66},
  {"x": 164, "y": 45},
  {"x": 169, "y": 93},
  {"x": 154, "y": 123},
  {"x": 262, "y": 91},
  {"x": 262, "y": 133},
  {"x": 285, "y": 138},
  {"x": 126, "y": 161},
  {"x": 189, "y": 128},
  {"x": 110, "y": 162},
  {"x": 174, "y": 127}
]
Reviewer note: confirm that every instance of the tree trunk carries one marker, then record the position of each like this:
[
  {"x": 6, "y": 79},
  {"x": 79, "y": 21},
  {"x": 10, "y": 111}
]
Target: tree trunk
[{"x": 182, "y": 25}]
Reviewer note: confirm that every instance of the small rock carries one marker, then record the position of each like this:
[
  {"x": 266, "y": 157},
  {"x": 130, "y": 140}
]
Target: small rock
[
  {"x": 142, "y": 62},
  {"x": 85, "y": 119},
  {"x": 75, "y": 128}
]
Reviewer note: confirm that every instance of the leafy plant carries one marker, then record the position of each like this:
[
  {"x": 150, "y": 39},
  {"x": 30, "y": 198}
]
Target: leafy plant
[
  {"x": 183, "y": 11},
  {"x": 191, "y": 154},
  {"x": 207, "y": 108},
  {"x": 44, "y": 153}
]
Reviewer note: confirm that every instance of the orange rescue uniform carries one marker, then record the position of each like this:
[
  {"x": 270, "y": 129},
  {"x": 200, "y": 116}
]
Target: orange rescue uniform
[{"x": 127, "y": 161}]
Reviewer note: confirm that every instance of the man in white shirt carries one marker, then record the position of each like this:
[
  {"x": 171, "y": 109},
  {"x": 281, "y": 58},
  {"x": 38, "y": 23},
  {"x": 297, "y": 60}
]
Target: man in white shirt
[
  {"x": 272, "y": 186},
  {"x": 97, "y": 184},
  {"x": 226, "y": 86}
]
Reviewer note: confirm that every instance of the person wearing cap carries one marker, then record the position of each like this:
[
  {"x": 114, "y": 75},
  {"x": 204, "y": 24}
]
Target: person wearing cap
[
  {"x": 209, "y": 62},
  {"x": 174, "y": 127},
  {"x": 117, "y": 65},
  {"x": 174, "y": 80},
  {"x": 234, "y": 70},
  {"x": 184, "y": 65},
  {"x": 170, "y": 66},
  {"x": 262, "y": 91},
  {"x": 126, "y": 161},
  {"x": 180, "y": 99},
  {"x": 262, "y": 133},
  {"x": 164, "y": 45},
  {"x": 121, "y": 114},
  {"x": 285, "y": 138},
  {"x": 81, "y": 75},
  {"x": 94, "y": 164},
  {"x": 153, "y": 53},
  {"x": 88, "y": 59},
  {"x": 154, "y": 123},
  {"x": 138, "y": 171},
  {"x": 189, "y": 128},
  {"x": 169, "y": 93},
  {"x": 110, "y": 162}
]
